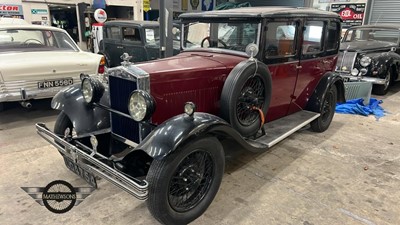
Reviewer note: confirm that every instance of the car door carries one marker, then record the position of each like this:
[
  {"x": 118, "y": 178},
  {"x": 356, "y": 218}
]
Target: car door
[
  {"x": 312, "y": 62},
  {"x": 112, "y": 44},
  {"x": 282, "y": 57},
  {"x": 133, "y": 43}
]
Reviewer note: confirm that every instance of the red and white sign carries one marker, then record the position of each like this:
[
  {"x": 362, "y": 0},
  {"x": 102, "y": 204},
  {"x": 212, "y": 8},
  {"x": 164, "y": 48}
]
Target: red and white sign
[
  {"x": 351, "y": 13},
  {"x": 10, "y": 10},
  {"x": 100, "y": 15}
]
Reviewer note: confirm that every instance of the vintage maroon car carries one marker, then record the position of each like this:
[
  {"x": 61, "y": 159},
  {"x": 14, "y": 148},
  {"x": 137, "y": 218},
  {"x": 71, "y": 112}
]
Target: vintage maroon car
[{"x": 249, "y": 75}]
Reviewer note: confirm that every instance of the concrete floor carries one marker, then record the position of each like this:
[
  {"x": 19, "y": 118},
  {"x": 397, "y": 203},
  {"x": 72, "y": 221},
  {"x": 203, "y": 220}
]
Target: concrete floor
[{"x": 349, "y": 174}]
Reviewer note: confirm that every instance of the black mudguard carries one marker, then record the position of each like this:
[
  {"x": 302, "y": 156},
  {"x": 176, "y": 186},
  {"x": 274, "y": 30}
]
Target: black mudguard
[
  {"x": 168, "y": 136},
  {"x": 329, "y": 79},
  {"x": 85, "y": 118}
]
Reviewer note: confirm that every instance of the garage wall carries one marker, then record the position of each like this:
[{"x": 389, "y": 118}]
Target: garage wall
[{"x": 384, "y": 11}]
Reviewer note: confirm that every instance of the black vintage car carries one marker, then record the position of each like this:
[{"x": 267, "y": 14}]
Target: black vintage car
[
  {"x": 140, "y": 39},
  {"x": 371, "y": 53}
]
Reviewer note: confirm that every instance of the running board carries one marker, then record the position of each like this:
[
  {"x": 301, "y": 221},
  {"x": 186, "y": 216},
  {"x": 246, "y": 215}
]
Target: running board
[{"x": 280, "y": 129}]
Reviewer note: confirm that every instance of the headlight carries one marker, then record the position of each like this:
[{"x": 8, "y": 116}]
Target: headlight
[
  {"x": 365, "y": 61},
  {"x": 141, "y": 105},
  {"x": 92, "y": 89}
]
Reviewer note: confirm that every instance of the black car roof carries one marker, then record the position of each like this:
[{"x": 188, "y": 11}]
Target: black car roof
[
  {"x": 381, "y": 25},
  {"x": 260, "y": 12},
  {"x": 132, "y": 22}
]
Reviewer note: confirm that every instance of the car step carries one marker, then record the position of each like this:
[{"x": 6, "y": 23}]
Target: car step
[{"x": 280, "y": 129}]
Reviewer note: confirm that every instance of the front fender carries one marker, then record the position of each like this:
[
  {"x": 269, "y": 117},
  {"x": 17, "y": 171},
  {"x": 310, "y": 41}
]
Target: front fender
[
  {"x": 166, "y": 137},
  {"x": 382, "y": 62},
  {"x": 329, "y": 79},
  {"x": 85, "y": 118}
]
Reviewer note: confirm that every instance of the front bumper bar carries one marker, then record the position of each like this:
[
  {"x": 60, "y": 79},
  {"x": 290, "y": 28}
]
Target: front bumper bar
[
  {"x": 373, "y": 80},
  {"x": 137, "y": 188}
]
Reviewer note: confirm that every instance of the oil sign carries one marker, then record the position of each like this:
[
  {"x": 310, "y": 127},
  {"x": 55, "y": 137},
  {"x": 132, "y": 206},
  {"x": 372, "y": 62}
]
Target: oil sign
[{"x": 352, "y": 14}]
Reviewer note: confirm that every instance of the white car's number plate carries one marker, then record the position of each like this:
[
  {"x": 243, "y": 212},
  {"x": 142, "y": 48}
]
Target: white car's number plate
[{"x": 55, "y": 83}]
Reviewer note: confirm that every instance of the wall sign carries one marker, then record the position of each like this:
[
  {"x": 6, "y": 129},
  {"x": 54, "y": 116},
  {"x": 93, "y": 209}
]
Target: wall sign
[
  {"x": 39, "y": 11},
  {"x": 100, "y": 15},
  {"x": 352, "y": 14},
  {"x": 10, "y": 10}
]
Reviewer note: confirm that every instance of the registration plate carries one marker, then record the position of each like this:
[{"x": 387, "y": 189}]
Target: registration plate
[
  {"x": 55, "y": 83},
  {"x": 88, "y": 177}
]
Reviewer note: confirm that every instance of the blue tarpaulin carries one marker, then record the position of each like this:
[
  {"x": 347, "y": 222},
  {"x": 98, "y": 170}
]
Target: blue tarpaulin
[{"x": 356, "y": 106}]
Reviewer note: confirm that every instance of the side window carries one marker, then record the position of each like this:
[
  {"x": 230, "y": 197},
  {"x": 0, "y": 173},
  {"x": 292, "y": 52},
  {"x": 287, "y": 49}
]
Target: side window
[
  {"x": 113, "y": 32},
  {"x": 130, "y": 34},
  {"x": 280, "y": 39},
  {"x": 332, "y": 36},
  {"x": 349, "y": 35},
  {"x": 312, "y": 37}
]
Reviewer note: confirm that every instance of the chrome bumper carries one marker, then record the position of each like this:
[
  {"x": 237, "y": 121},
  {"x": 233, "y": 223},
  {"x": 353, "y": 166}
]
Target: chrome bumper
[
  {"x": 373, "y": 80},
  {"x": 138, "y": 189}
]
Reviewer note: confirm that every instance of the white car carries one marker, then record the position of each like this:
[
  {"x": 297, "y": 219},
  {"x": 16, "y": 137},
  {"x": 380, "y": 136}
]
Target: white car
[{"x": 38, "y": 61}]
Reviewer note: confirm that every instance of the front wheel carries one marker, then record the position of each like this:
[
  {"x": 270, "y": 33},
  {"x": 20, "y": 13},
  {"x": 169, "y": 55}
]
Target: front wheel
[
  {"x": 183, "y": 184},
  {"x": 327, "y": 111},
  {"x": 382, "y": 89},
  {"x": 63, "y": 127}
]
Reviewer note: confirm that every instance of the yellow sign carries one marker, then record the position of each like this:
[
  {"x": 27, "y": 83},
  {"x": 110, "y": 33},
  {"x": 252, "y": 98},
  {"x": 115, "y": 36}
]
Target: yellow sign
[{"x": 146, "y": 5}]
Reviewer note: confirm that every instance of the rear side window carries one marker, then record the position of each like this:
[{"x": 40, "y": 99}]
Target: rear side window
[
  {"x": 130, "y": 34},
  {"x": 113, "y": 32},
  {"x": 312, "y": 37}
]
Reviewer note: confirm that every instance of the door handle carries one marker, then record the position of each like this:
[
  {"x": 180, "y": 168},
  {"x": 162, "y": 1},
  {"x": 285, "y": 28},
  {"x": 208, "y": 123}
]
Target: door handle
[
  {"x": 299, "y": 67},
  {"x": 120, "y": 47}
]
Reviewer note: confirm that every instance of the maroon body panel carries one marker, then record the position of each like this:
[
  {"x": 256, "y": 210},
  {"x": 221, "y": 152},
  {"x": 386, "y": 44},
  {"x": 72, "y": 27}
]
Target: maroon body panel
[
  {"x": 310, "y": 74},
  {"x": 176, "y": 80}
]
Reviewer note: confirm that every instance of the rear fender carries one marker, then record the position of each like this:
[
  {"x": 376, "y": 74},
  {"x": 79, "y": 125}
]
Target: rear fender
[
  {"x": 85, "y": 118},
  {"x": 329, "y": 79}
]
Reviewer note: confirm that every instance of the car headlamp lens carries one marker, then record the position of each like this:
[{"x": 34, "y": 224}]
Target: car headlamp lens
[
  {"x": 87, "y": 90},
  {"x": 92, "y": 89},
  {"x": 141, "y": 105},
  {"x": 354, "y": 72},
  {"x": 365, "y": 61}
]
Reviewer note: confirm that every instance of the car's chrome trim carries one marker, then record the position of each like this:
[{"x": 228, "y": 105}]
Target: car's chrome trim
[
  {"x": 373, "y": 80},
  {"x": 131, "y": 72},
  {"x": 135, "y": 187}
]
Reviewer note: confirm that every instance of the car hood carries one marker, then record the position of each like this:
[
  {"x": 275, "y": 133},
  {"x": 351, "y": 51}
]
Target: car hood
[
  {"x": 47, "y": 65},
  {"x": 191, "y": 61},
  {"x": 364, "y": 46}
]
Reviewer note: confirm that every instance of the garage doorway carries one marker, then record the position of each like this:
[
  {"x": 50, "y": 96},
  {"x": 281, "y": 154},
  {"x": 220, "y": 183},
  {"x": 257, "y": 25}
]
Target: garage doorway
[{"x": 64, "y": 16}]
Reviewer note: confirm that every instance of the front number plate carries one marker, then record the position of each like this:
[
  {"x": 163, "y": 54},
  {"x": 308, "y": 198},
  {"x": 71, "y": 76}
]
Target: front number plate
[
  {"x": 88, "y": 177},
  {"x": 55, "y": 83}
]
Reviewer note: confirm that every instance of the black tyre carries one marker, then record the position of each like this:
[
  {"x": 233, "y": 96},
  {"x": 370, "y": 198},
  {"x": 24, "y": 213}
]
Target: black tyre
[
  {"x": 247, "y": 89},
  {"x": 382, "y": 89},
  {"x": 183, "y": 184},
  {"x": 63, "y": 126},
  {"x": 327, "y": 111}
]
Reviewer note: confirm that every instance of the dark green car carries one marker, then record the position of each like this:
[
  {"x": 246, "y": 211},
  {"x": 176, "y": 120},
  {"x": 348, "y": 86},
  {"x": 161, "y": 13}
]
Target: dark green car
[{"x": 140, "y": 39}]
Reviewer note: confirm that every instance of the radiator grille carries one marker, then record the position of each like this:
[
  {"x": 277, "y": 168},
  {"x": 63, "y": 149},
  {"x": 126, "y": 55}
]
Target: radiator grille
[
  {"x": 120, "y": 90},
  {"x": 347, "y": 60}
]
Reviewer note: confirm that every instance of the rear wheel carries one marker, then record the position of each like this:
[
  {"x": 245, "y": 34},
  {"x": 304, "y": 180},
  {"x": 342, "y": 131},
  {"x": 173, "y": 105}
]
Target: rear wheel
[
  {"x": 183, "y": 184},
  {"x": 327, "y": 111}
]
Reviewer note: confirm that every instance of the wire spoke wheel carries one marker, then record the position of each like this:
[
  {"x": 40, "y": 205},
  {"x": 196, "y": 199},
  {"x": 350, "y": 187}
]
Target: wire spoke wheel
[
  {"x": 251, "y": 96},
  {"x": 191, "y": 181},
  {"x": 183, "y": 184}
]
